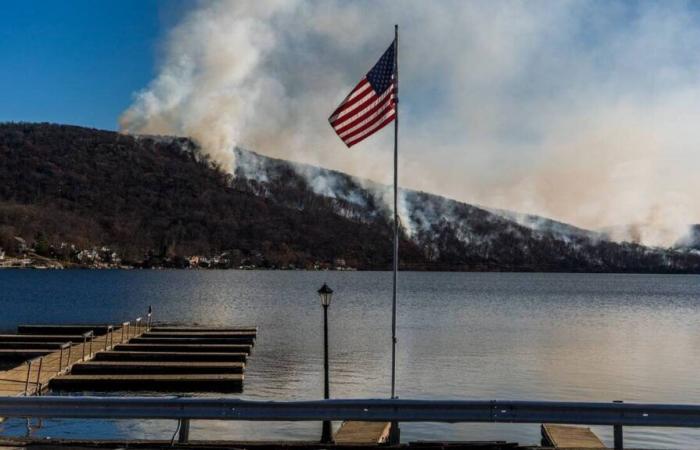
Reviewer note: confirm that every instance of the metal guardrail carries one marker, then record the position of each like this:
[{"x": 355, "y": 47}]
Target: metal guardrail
[
  {"x": 450, "y": 411},
  {"x": 616, "y": 414}
]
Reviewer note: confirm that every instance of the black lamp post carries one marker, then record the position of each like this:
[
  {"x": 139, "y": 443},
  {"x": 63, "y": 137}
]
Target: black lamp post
[{"x": 326, "y": 295}]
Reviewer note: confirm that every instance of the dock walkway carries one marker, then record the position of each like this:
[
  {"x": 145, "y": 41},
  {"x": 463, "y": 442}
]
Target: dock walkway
[
  {"x": 128, "y": 358},
  {"x": 566, "y": 436},
  {"x": 167, "y": 360},
  {"x": 355, "y": 432},
  {"x": 34, "y": 376}
]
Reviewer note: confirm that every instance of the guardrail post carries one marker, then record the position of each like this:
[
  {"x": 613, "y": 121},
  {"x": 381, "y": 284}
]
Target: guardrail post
[
  {"x": 618, "y": 443},
  {"x": 184, "y": 433}
]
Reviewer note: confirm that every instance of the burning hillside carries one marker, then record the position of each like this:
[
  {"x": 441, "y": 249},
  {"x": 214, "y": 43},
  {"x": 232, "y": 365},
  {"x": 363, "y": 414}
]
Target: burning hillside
[{"x": 160, "y": 202}]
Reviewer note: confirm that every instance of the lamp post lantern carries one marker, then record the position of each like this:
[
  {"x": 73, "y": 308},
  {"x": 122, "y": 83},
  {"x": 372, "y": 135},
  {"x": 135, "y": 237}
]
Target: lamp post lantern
[{"x": 326, "y": 294}]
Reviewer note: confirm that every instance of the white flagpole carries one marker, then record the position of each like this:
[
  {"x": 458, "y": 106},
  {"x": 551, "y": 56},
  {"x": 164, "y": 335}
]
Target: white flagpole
[{"x": 396, "y": 211}]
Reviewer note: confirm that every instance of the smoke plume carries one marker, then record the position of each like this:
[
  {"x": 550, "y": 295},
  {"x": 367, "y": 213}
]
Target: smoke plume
[{"x": 585, "y": 112}]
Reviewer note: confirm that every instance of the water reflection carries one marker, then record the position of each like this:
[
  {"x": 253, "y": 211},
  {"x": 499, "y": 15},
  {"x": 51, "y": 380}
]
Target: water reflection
[{"x": 506, "y": 336}]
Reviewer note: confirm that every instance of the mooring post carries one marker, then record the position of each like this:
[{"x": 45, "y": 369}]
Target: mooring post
[
  {"x": 184, "y": 433},
  {"x": 138, "y": 325},
  {"x": 124, "y": 329},
  {"x": 618, "y": 442}
]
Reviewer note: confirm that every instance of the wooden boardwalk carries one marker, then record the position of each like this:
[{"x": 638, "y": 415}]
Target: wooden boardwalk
[
  {"x": 34, "y": 378},
  {"x": 128, "y": 358},
  {"x": 565, "y": 436}
]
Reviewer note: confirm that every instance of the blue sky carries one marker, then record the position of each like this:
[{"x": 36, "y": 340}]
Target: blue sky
[{"x": 77, "y": 62}]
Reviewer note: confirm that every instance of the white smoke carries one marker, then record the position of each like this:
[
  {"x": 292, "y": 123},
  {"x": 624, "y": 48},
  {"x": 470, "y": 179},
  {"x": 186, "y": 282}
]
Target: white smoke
[{"x": 582, "y": 111}]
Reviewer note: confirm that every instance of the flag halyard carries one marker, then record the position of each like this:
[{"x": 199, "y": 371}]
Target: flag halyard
[{"x": 371, "y": 105}]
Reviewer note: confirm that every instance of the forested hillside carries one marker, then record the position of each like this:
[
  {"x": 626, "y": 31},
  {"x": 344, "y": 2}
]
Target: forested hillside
[{"x": 82, "y": 195}]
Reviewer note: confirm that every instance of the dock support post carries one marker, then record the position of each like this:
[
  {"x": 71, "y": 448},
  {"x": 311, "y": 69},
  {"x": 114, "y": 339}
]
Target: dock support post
[
  {"x": 618, "y": 442},
  {"x": 184, "y": 433},
  {"x": 394, "y": 434}
]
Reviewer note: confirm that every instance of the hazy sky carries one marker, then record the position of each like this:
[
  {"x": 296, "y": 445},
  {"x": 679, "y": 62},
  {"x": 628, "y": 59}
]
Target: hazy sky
[{"x": 585, "y": 111}]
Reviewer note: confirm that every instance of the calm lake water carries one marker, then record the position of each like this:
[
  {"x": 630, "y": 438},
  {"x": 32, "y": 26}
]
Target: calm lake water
[{"x": 461, "y": 336}]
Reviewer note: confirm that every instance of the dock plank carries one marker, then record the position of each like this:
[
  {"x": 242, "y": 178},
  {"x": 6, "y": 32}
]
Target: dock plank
[
  {"x": 243, "y": 340},
  {"x": 41, "y": 338},
  {"x": 61, "y": 329},
  {"x": 182, "y": 357},
  {"x": 161, "y": 383},
  {"x": 13, "y": 381},
  {"x": 157, "y": 367},
  {"x": 565, "y": 436},
  {"x": 203, "y": 334},
  {"x": 353, "y": 432},
  {"x": 188, "y": 348},
  {"x": 183, "y": 329}
]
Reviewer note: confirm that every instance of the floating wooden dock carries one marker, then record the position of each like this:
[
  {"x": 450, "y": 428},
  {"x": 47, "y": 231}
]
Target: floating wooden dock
[
  {"x": 565, "y": 436},
  {"x": 355, "y": 432},
  {"x": 167, "y": 361},
  {"x": 44, "y": 356},
  {"x": 131, "y": 357}
]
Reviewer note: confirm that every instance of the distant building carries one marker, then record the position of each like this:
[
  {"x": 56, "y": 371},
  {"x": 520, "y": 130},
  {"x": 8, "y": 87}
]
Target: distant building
[{"x": 21, "y": 245}]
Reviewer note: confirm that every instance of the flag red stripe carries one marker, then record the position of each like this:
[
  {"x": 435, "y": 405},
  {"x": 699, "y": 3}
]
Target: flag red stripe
[
  {"x": 368, "y": 120},
  {"x": 379, "y": 102},
  {"x": 368, "y": 125},
  {"x": 353, "y": 97},
  {"x": 355, "y": 106},
  {"x": 388, "y": 120}
]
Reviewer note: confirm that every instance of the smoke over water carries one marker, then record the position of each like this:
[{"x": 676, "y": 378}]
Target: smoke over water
[{"x": 583, "y": 112}]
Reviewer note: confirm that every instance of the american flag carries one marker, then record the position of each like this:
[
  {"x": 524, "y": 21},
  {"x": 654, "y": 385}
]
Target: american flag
[{"x": 370, "y": 106}]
